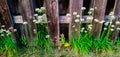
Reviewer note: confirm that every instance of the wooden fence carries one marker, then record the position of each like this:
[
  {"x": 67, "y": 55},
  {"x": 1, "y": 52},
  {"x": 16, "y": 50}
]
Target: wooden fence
[{"x": 25, "y": 7}]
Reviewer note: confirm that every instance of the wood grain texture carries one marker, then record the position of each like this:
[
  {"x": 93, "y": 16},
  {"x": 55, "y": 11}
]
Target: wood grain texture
[
  {"x": 99, "y": 12},
  {"x": 4, "y": 14},
  {"x": 75, "y": 6},
  {"x": 27, "y": 14},
  {"x": 53, "y": 20},
  {"x": 117, "y": 15}
]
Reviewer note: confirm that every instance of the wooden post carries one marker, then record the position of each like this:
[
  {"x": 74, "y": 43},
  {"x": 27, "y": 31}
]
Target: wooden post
[
  {"x": 53, "y": 20},
  {"x": 117, "y": 15},
  {"x": 4, "y": 14},
  {"x": 75, "y": 6},
  {"x": 27, "y": 14},
  {"x": 99, "y": 12}
]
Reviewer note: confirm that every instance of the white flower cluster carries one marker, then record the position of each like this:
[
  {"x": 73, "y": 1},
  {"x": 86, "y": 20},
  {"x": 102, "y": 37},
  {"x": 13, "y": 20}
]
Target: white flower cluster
[
  {"x": 25, "y": 23},
  {"x": 96, "y": 20},
  {"x": 47, "y": 36},
  {"x": 101, "y": 22},
  {"x": 107, "y": 23},
  {"x": 111, "y": 16},
  {"x": 40, "y": 16},
  {"x": 117, "y": 22},
  {"x": 83, "y": 8},
  {"x": 118, "y": 28},
  {"x": 68, "y": 16},
  {"x": 90, "y": 27},
  {"x": 40, "y": 10},
  {"x": 74, "y": 13},
  {"x": 89, "y": 19},
  {"x": 82, "y": 29},
  {"x": 77, "y": 20},
  {"x": 40, "y": 19},
  {"x": 91, "y": 11},
  {"x": 4, "y": 32},
  {"x": 82, "y": 19}
]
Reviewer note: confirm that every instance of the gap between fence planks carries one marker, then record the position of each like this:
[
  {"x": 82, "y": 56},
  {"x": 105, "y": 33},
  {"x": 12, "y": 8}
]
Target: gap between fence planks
[
  {"x": 75, "y": 6},
  {"x": 27, "y": 14},
  {"x": 53, "y": 20},
  {"x": 99, "y": 12}
]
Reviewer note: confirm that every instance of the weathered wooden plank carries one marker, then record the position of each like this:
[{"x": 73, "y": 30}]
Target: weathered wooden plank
[
  {"x": 99, "y": 12},
  {"x": 4, "y": 14},
  {"x": 27, "y": 14},
  {"x": 75, "y": 6},
  {"x": 117, "y": 15},
  {"x": 53, "y": 20}
]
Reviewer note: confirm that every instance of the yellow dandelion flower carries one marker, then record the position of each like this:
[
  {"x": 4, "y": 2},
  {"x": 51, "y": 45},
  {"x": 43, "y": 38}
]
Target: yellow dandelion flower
[{"x": 66, "y": 44}]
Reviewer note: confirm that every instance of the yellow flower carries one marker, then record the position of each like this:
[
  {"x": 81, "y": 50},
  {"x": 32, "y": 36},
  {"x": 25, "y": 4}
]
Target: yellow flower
[{"x": 66, "y": 44}]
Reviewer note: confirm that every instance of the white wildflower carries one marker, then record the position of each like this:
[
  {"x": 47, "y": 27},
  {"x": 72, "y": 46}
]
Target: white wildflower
[
  {"x": 47, "y": 36},
  {"x": 34, "y": 20},
  {"x": 107, "y": 23},
  {"x": 82, "y": 19},
  {"x": 96, "y": 20},
  {"x": 34, "y": 30},
  {"x": 83, "y": 28},
  {"x": 40, "y": 17},
  {"x": 89, "y": 12},
  {"x": 2, "y": 35},
  {"x": 25, "y": 23},
  {"x": 112, "y": 29},
  {"x": 15, "y": 30},
  {"x": 7, "y": 31},
  {"x": 74, "y": 13},
  {"x": 77, "y": 20},
  {"x": 111, "y": 13},
  {"x": 40, "y": 11},
  {"x": 118, "y": 28},
  {"x": 68, "y": 18},
  {"x": 37, "y": 22},
  {"x": 35, "y": 14},
  {"x": 89, "y": 18},
  {"x": 4, "y": 30},
  {"x": 78, "y": 16},
  {"x": 117, "y": 22},
  {"x": 112, "y": 25},
  {"x": 68, "y": 15},
  {"x": 91, "y": 9},
  {"x": 37, "y": 9},
  {"x": 112, "y": 17},
  {"x": 1, "y": 30},
  {"x": 83, "y": 8},
  {"x": 101, "y": 22},
  {"x": 85, "y": 31},
  {"x": 43, "y": 8},
  {"x": 3, "y": 26},
  {"x": 76, "y": 29},
  {"x": 105, "y": 28},
  {"x": 90, "y": 28}
]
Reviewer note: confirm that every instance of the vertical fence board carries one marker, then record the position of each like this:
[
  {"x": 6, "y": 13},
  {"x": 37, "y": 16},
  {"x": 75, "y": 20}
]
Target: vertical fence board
[
  {"x": 99, "y": 12},
  {"x": 75, "y": 6},
  {"x": 53, "y": 20},
  {"x": 4, "y": 14},
  {"x": 27, "y": 14},
  {"x": 117, "y": 15}
]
